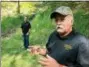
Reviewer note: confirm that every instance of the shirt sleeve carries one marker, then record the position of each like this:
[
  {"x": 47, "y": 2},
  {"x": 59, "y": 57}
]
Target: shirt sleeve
[
  {"x": 49, "y": 39},
  {"x": 83, "y": 54},
  {"x": 48, "y": 42},
  {"x": 29, "y": 25},
  {"x": 22, "y": 25}
]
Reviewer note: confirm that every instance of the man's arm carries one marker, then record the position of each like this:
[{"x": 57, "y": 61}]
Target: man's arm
[
  {"x": 29, "y": 26},
  {"x": 21, "y": 27},
  {"x": 83, "y": 54},
  {"x": 28, "y": 32}
]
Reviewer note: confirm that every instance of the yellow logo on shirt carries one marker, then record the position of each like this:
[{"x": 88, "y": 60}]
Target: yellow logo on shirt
[{"x": 67, "y": 47}]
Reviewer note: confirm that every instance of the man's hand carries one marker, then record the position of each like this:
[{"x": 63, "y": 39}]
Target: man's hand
[
  {"x": 27, "y": 33},
  {"x": 37, "y": 50},
  {"x": 34, "y": 49},
  {"x": 42, "y": 51},
  {"x": 50, "y": 62}
]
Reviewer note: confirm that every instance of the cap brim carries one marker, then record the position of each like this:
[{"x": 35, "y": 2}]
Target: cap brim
[{"x": 54, "y": 14}]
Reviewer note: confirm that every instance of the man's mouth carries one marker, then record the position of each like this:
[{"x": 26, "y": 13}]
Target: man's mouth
[{"x": 58, "y": 27}]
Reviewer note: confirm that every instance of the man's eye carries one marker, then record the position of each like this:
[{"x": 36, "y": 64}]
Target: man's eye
[
  {"x": 62, "y": 19},
  {"x": 56, "y": 20}
]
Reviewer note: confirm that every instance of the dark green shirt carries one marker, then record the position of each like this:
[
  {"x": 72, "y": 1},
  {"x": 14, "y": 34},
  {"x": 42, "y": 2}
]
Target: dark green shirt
[{"x": 72, "y": 50}]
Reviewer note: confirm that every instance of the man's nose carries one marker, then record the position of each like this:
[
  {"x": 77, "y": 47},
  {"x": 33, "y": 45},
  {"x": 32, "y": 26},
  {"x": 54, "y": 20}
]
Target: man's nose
[{"x": 58, "y": 23}]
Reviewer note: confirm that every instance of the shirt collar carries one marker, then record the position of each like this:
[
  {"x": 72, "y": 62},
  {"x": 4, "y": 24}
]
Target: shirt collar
[{"x": 71, "y": 34}]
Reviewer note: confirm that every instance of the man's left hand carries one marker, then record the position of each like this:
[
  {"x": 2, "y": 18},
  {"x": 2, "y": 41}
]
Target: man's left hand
[
  {"x": 49, "y": 62},
  {"x": 27, "y": 33}
]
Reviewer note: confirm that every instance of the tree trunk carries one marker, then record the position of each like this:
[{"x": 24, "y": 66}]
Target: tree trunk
[{"x": 18, "y": 8}]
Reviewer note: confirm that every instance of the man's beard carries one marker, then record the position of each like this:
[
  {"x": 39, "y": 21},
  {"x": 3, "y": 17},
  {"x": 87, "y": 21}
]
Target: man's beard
[{"x": 59, "y": 31}]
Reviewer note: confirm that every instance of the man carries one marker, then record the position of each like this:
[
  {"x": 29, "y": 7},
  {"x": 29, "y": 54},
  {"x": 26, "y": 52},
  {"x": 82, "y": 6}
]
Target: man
[
  {"x": 25, "y": 30},
  {"x": 65, "y": 47}
]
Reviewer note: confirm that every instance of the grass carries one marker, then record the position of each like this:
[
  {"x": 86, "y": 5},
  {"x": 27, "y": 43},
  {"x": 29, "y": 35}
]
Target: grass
[{"x": 13, "y": 53}]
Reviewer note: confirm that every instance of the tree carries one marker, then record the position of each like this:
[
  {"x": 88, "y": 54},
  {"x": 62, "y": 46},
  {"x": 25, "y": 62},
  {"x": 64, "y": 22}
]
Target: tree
[{"x": 18, "y": 8}]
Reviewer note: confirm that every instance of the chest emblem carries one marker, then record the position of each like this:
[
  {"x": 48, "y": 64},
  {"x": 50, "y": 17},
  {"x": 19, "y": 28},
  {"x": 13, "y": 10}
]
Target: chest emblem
[{"x": 67, "y": 47}]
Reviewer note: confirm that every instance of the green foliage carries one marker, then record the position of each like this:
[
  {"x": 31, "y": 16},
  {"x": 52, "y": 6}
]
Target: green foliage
[
  {"x": 10, "y": 23},
  {"x": 81, "y": 22},
  {"x": 7, "y": 4},
  {"x": 8, "y": 8},
  {"x": 13, "y": 8},
  {"x": 42, "y": 26},
  {"x": 27, "y": 7},
  {"x": 73, "y": 5}
]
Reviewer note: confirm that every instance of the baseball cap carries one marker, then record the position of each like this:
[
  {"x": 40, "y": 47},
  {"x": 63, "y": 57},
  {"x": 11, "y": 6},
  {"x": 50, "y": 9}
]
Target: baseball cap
[{"x": 62, "y": 10}]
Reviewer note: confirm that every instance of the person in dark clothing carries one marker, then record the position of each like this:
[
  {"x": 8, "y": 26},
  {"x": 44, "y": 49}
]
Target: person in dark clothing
[
  {"x": 65, "y": 46},
  {"x": 26, "y": 26}
]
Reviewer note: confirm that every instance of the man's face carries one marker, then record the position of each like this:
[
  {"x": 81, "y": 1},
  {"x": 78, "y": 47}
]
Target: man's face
[
  {"x": 25, "y": 18},
  {"x": 63, "y": 24}
]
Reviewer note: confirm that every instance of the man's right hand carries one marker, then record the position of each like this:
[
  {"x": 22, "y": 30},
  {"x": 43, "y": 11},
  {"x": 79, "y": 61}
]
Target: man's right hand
[{"x": 37, "y": 50}]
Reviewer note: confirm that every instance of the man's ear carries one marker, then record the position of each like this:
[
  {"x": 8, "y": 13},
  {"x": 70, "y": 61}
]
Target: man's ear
[{"x": 72, "y": 20}]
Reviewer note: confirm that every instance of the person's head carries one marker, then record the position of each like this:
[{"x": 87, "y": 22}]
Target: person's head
[
  {"x": 63, "y": 18},
  {"x": 25, "y": 18}
]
